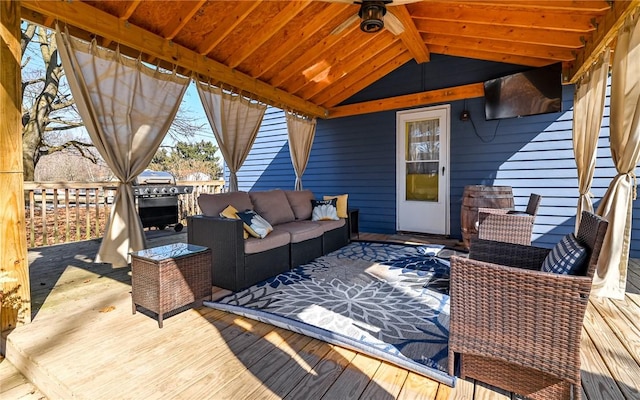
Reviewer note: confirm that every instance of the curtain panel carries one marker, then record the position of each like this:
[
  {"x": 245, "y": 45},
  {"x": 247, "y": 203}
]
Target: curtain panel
[
  {"x": 301, "y": 132},
  {"x": 127, "y": 108},
  {"x": 617, "y": 204},
  {"x": 588, "y": 108},
  {"x": 235, "y": 121}
]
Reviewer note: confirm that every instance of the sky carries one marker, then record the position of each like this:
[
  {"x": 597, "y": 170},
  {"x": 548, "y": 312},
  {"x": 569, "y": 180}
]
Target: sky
[{"x": 191, "y": 102}]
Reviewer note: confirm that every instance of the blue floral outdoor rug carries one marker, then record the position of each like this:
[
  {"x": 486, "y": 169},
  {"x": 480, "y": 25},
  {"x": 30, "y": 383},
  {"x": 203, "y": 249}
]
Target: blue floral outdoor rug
[{"x": 389, "y": 301}]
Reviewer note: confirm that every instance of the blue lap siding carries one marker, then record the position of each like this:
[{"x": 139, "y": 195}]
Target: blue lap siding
[{"x": 357, "y": 155}]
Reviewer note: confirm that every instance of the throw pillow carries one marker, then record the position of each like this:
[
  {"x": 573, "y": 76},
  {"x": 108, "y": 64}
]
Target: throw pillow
[
  {"x": 231, "y": 213},
  {"x": 567, "y": 257},
  {"x": 324, "y": 210},
  {"x": 255, "y": 224},
  {"x": 341, "y": 204}
]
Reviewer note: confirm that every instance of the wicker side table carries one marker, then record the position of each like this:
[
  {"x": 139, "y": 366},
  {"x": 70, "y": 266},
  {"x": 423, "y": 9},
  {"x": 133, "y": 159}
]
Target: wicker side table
[{"x": 166, "y": 278}]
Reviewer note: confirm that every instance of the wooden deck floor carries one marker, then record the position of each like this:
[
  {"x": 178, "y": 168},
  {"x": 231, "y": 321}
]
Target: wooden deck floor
[{"x": 84, "y": 343}]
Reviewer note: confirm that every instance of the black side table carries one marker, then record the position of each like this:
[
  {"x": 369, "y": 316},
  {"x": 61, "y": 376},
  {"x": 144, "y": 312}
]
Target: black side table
[{"x": 354, "y": 229}]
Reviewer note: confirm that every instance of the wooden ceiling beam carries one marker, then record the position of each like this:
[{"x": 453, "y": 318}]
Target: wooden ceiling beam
[
  {"x": 332, "y": 12},
  {"x": 391, "y": 59},
  {"x": 225, "y": 26},
  {"x": 410, "y": 36},
  {"x": 131, "y": 8},
  {"x": 358, "y": 45},
  {"x": 607, "y": 31},
  {"x": 353, "y": 64},
  {"x": 491, "y": 16},
  {"x": 490, "y": 56},
  {"x": 180, "y": 21},
  {"x": 571, "y": 40},
  {"x": 410, "y": 100},
  {"x": 568, "y": 6},
  {"x": 259, "y": 38},
  {"x": 500, "y": 46},
  {"x": 85, "y": 17},
  {"x": 311, "y": 56}
]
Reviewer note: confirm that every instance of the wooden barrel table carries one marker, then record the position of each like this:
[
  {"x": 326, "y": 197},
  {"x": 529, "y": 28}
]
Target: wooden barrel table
[{"x": 479, "y": 196}]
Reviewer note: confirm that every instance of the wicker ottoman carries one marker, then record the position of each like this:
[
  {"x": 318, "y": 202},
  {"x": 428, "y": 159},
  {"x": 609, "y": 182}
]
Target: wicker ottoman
[{"x": 167, "y": 278}]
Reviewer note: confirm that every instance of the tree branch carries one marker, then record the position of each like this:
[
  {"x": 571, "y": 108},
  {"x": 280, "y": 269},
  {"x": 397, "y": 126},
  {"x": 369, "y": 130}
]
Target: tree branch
[
  {"x": 61, "y": 105},
  {"x": 82, "y": 147},
  {"x": 32, "y": 82},
  {"x": 27, "y": 36},
  {"x": 63, "y": 128}
]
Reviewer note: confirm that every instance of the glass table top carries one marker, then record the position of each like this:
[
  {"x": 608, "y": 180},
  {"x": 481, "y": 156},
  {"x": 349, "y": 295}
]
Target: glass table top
[{"x": 175, "y": 250}]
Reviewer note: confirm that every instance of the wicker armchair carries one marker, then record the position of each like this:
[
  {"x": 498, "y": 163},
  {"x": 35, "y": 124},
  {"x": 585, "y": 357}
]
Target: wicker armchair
[
  {"x": 516, "y": 327},
  {"x": 507, "y": 225}
]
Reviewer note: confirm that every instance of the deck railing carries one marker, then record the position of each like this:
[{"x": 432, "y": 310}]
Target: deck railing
[{"x": 62, "y": 212}]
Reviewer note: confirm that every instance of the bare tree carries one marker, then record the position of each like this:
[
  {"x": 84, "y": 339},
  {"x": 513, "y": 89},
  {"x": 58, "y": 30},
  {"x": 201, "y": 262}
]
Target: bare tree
[
  {"x": 47, "y": 105},
  {"x": 48, "y": 108}
]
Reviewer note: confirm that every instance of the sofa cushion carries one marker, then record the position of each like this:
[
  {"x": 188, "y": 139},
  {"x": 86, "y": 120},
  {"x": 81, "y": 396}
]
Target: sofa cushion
[
  {"x": 254, "y": 223},
  {"x": 568, "y": 257},
  {"x": 341, "y": 204},
  {"x": 301, "y": 230},
  {"x": 213, "y": 204},
  {"x": 324, "y": 210},
  {"x": 300, "y": 202},
  {"x": 273, "y": 206},
  {"x": 275, "y": 239},
  {"x": 331, "y": 225}
]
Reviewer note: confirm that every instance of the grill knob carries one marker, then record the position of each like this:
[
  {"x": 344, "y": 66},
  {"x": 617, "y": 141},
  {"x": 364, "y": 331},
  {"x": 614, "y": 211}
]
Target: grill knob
[
  {"x": 173, "y": 190},
  {"x": 163, "y": 190},
  {"x": 155, "y": 190}
]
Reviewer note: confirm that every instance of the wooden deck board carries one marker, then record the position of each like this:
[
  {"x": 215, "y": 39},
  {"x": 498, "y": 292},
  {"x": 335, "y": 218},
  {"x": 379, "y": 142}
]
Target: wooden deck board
[
  {"x": 624, "y": 369},
  {"x": 386, "y": 383},
  {"x": 13, "y": 385},
  {"x": 596, "y": 377},
  {"x": 85, "y": 343},
  {"x": 292, "y": 373},
  {"x": 216, "y": 378},
  {"x": 256, "y": 374},
  {"x": 417, "y": 387},
  {"x": 354, "y": 379}
]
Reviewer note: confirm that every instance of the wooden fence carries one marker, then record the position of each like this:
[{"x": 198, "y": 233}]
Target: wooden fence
[{"x": 62, "y": 212}]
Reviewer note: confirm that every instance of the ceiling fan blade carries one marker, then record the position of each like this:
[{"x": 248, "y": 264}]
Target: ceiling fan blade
[
  {"x": 346, "y": 24},
  {"x": 393, "y": 24}
]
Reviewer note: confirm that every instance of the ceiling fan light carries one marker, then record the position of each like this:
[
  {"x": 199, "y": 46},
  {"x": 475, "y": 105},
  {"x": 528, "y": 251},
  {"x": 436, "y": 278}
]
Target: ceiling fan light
[{"x": 372, "y": 13}]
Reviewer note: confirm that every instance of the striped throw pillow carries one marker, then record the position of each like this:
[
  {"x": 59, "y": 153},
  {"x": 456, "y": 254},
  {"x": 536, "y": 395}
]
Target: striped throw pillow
[{"x": 567, "y": 257}]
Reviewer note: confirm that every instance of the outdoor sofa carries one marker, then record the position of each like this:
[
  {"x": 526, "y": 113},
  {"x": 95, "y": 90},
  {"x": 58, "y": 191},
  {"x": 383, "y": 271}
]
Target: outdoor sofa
[{"x": 240, "y": 260}]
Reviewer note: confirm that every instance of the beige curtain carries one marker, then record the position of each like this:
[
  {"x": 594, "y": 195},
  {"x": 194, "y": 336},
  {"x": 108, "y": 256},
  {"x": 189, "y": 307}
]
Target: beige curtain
[
  {"x": 127, "y": 108},
  {"x": 301, "y": 132},
  {"x": 235, "y": 121},
  {"x": 617, "y": 203},
  {"x": 588, "y": 107}
]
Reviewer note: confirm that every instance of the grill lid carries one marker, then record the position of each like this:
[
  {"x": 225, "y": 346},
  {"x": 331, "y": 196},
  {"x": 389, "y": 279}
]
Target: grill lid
[{"x": 149, "y": 177}]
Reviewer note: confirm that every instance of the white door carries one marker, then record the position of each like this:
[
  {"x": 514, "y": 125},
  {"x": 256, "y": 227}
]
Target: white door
[{"x": 423, "y": 170}]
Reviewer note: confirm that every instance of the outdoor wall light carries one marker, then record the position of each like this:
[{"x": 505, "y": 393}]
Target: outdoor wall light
[{"x": 371, "y": 13}]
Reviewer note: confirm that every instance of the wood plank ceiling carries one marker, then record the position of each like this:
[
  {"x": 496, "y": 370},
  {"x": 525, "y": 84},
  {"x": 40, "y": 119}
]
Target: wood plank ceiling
[{"x": 311, "y": 56}]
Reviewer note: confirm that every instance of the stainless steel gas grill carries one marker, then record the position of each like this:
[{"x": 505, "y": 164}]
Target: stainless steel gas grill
[{"x": 157, "y": 196}]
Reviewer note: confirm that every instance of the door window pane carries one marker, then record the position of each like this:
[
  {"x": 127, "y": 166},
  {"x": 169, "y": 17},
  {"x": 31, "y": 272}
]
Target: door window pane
[
  {"x": 422, "y": 156},
  {"x": 423, "y": 140},
  {"x": 422, "y": 181}
]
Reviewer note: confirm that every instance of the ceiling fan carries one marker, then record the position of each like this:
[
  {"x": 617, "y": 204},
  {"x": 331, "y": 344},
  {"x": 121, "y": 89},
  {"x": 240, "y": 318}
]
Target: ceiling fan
[{"x": 374, "y": 16}]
